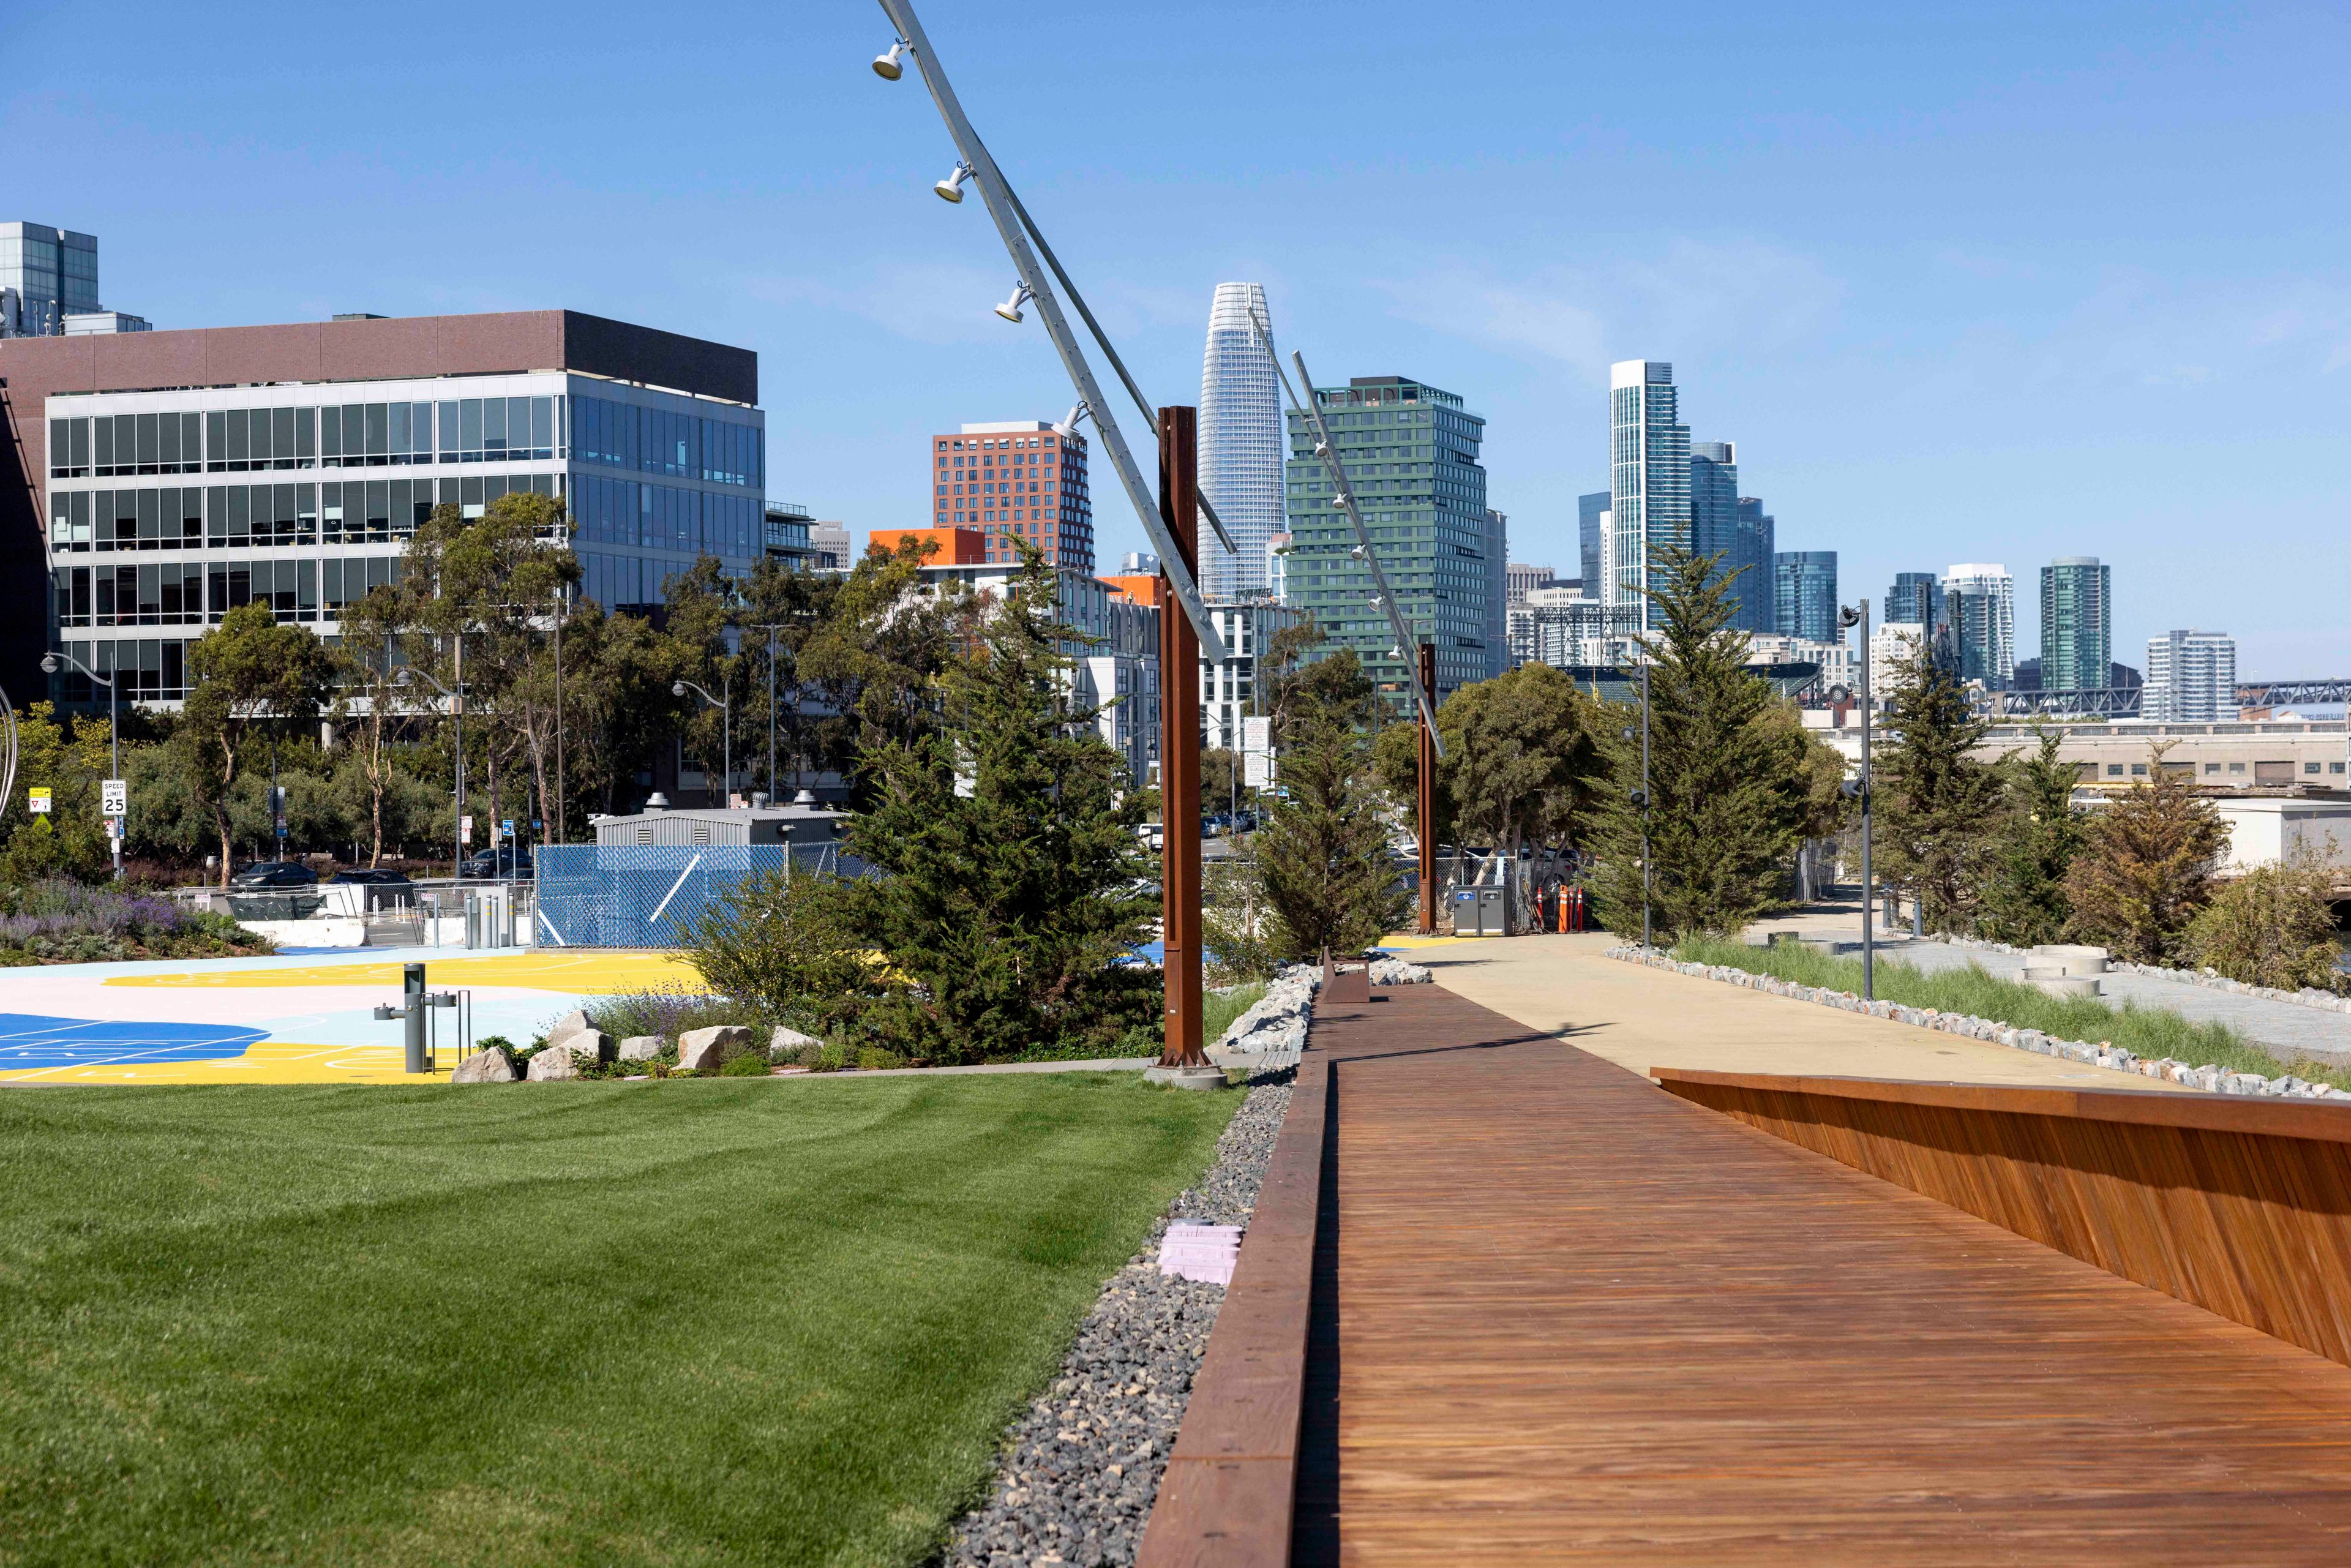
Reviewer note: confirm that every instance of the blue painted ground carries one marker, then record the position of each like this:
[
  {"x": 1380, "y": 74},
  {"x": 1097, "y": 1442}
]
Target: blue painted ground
[{"x": 34, "y": 1041}]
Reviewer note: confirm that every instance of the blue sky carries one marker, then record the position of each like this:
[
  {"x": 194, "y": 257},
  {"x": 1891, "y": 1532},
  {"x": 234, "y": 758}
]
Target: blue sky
[{"x": 2002, "y": 283}]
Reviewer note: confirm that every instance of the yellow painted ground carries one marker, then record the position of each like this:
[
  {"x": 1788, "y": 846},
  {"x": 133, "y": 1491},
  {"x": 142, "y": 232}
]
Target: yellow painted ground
[
  {"x": 574, "y": 974},
  {"x": 269, "y": 1061}
]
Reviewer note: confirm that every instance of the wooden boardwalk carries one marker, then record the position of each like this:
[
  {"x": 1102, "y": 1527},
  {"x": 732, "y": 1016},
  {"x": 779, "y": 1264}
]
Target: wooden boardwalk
[{"x": 1560, "y": 1315}]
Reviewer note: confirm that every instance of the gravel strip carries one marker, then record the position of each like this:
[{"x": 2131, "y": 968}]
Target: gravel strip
[{"x": 1082, "y": 1466}]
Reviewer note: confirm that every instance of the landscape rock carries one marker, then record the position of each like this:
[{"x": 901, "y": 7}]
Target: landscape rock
[
  {"x": 553, "y": 1066},
  {"x": 786, "y": 1044},
  {"x": 576, "y": 1021},
  {"x": 589, "y": 1044},
  {"x": 708, "y": 1049},
  {"x": 491, "y": 1066},
  {"x": 641, "y": 1047}
]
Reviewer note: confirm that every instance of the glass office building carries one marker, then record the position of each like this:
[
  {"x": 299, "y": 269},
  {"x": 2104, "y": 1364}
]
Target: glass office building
[
  {"x": 1410, "y": 452},
  {"x": 1591, "y": 519},
  {"x": 1648, "y": 479},
  {"x": 2076, "y": 626},
  {"x": 1980, "y": 600},
  {"x": 1241, "y": 442},
  {"x": 163, "y": 511},
  {"x": 1757, "y": 537},
  {"x": 1804, "y": 595}
]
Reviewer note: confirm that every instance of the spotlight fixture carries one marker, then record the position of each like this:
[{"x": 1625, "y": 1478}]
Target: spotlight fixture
[
  {"x": 886, "y": 66},
  {"x": 1069, "y": 426},
  {"x": 951, "y": 188},
  {"x": 1011, "y": 309}
]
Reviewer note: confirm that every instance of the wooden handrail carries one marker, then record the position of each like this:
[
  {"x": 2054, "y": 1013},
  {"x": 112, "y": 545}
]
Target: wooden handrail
[
  {"x": 2240, "y": 1206},
  {"x": 1231, "y": 1482}
]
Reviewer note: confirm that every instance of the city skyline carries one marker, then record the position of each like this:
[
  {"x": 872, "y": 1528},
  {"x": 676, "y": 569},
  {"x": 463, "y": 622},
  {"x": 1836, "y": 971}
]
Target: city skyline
[{"x": 2183, "y": 307}]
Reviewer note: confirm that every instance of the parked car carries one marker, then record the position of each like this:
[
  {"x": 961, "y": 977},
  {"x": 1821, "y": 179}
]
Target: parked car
[
  {"x": 274, "y": 874},
  {"x": 385, "y": 889},
  {"x": 508, "y": 863}
]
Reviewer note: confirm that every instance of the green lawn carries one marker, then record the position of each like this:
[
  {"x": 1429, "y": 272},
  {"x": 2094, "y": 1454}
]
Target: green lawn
[
  {"x": 2155, "y": 1032},
  {"x": 690, "y": 1321}
]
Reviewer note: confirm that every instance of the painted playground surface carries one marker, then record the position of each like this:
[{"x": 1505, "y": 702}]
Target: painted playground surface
[{"x": 291, "y": 1019}]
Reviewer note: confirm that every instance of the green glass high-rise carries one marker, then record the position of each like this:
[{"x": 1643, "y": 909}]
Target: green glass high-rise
[
  {"x": 1410, "y": 452},
  {"x": 2077, "y": 641}
]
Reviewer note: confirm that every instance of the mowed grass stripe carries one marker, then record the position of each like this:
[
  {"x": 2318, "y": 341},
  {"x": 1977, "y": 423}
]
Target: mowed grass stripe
[{"x": 686, "y": 1322}]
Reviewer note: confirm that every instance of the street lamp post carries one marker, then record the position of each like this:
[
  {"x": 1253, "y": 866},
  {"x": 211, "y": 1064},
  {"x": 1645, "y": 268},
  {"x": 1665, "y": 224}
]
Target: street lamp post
[
  {"x": 1859, "y": 789},
  {"x": 726, "y": 707},
  {"x": 457, "y": 827},
  {"x": 113, "y": 729},
  {"x": 775, "y": 798}
]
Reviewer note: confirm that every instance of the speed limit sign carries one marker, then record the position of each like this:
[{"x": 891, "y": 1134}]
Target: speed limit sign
[{"x": 114, "y": 797}]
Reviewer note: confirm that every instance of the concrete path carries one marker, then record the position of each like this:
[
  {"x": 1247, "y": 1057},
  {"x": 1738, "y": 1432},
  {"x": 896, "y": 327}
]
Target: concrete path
[
  {"x": 1640, "y": 1019},
  {"x": 2287, "y": 1029}
]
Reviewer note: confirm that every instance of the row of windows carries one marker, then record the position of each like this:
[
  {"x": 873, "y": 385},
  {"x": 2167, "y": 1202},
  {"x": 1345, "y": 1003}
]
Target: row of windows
[
  {"x": 190, "y": 593},
  {"x": 195, "y": 516},
  {"x": 337, "y": 435},
  {"x": 662, "y": 516},
  {"x": 145, "y": 670},
  {"x": 661, "y": 441},
  {"x": 626, "y": 582},
  {"x": 376, "y": 434}
]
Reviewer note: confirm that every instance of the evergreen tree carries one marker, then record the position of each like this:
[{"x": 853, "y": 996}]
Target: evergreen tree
[
  {"x": 2146, "y": 867},
  {"x": 1937, "y": 817},
  {"x": 1726, "y": 805},
  {"x": 1010, "y": 876},
  {"x": 1322, "y": 857},
  {"x": 2025, "y": 903}
]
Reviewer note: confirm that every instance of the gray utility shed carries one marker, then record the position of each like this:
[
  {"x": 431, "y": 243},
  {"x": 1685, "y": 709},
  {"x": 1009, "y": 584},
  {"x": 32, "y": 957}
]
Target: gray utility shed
[{"x": 795, "y": 825}]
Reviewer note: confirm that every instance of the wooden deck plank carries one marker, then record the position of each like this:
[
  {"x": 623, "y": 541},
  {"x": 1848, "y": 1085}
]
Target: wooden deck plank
[{"x": 1561, "y": 1316}]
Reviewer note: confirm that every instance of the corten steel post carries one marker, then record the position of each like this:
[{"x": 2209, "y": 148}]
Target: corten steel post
[
  {"x": 1179, "y": 749},
  {"x": 1427, "y": 802}
]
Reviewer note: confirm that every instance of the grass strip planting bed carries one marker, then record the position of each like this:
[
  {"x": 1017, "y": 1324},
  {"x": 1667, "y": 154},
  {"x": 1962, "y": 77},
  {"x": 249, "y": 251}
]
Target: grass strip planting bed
[
  {"x": 708, "y": 1322},
  {"x": 2152, "y": 1032}
]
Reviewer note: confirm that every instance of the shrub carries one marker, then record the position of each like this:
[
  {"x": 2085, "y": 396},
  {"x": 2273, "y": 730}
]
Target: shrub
[
  {"x": 58, "y": 921},
  {"x": 779, "y": 943},
  {"x": 750, "y": 1064},
  {"x": 2272, "y": 926}
]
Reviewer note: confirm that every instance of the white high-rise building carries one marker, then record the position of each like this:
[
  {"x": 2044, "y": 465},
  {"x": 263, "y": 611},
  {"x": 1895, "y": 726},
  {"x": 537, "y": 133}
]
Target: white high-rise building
[
  {"x": 1242, "y": 441},
  {"x": 1648, "y": 479},
  {"x": 1981, "y": 599},
  {"x": 2191, "y": 677}
]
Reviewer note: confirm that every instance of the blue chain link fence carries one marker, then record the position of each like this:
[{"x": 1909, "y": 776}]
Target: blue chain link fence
[{"x": 642, "y": 895}]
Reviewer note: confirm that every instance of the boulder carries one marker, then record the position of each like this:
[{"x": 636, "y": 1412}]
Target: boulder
[
  {"x": 553, "y": 1066},
  {"x": 491, "y": 1066},
  {"x": 708, "y": 1049},
  {"x": 641, "y": 1048},
  {"x": 590, "y": 1044},
  {"x": 573, "y": 1022},
  {"x": 786, "y": 1044}
]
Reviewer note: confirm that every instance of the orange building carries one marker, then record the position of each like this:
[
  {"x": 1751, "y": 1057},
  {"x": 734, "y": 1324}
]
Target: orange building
[
  {"x": 1149, "y": 590},
  {"x": 958, "y": 546}
]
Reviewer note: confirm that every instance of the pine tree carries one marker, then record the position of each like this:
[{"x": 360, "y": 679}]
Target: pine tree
[
  {"x": 1938, "y": 805},
  {"x": 1726, "y": 807},
  {"x": 2146, "y": 867},
  {"x": 1008, "y": 860},
  {"x": 2025, "y": 903},
  {"x": 1322, "y": 858}
]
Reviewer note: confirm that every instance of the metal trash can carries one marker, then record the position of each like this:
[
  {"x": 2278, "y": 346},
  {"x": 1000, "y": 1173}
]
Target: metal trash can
[{"x": 1495, "y": 912}]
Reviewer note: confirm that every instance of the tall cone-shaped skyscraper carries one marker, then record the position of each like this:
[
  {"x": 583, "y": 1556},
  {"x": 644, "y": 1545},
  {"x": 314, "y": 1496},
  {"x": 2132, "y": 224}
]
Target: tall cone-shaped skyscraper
[{"x": 1240, "y": 442}]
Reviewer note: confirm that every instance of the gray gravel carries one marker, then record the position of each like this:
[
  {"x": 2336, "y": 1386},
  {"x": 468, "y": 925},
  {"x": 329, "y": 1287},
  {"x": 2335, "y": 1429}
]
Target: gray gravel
[{"x": 1082, "y": 1466}]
